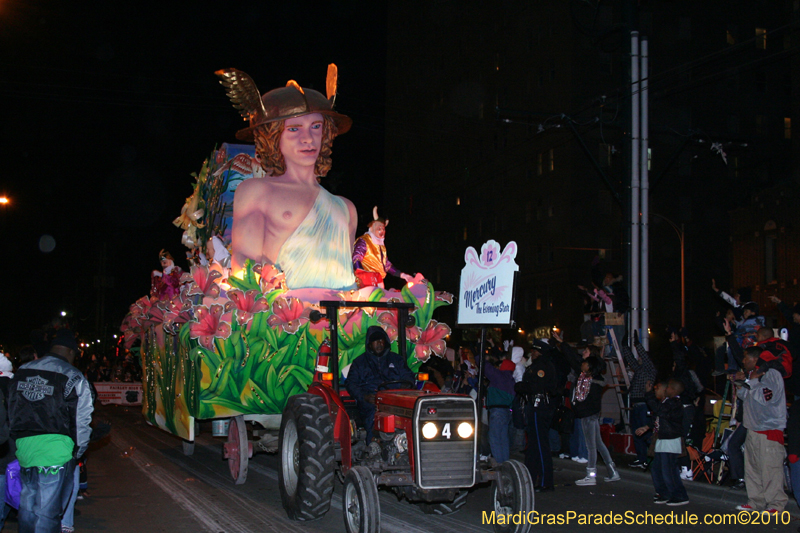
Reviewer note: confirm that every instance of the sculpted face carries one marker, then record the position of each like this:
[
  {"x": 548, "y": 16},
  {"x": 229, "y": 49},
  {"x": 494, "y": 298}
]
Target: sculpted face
[
  {"x": 378, "y": 229},
  {"x": 301, "y": 140}
]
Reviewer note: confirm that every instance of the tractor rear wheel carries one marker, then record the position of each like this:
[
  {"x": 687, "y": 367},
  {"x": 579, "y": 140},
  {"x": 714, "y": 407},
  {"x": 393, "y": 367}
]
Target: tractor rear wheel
[{"x": 307, "y": 455}]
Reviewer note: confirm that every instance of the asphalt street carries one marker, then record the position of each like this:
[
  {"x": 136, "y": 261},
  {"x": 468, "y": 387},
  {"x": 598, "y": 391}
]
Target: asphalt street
[{"x": 141, "y": 481}]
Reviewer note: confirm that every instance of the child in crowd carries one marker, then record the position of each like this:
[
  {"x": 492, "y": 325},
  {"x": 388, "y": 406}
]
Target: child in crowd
[
  {"x": 667, "y": 409},
  {"x": 586, "y": 405}
]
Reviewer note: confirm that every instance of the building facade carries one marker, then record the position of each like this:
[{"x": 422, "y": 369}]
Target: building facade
[{"x": 511, "y": 121}]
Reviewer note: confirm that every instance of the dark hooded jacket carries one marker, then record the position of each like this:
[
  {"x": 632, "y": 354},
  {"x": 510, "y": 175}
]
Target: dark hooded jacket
[
  {"x": 667, "y": 415},
  {"x": 369, "y": 369}
]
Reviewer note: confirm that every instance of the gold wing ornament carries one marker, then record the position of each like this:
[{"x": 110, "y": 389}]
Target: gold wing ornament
[{"x": 243, "y": 93}]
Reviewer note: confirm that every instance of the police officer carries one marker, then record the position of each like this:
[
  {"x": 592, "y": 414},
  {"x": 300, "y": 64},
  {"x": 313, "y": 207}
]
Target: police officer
[{"x": 538, "y": 385}]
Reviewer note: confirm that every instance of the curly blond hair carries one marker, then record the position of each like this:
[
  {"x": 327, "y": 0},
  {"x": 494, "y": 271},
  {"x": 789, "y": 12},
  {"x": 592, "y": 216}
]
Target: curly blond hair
[{"x": 268, "y": 147}]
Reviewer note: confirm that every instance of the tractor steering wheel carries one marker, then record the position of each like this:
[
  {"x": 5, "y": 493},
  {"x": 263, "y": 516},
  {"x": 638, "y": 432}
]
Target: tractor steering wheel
[{"x": 385, "y": 384}]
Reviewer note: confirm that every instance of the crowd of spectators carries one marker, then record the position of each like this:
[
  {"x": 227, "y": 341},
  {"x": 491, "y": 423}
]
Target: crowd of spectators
[{"x": 545, "y": 399}]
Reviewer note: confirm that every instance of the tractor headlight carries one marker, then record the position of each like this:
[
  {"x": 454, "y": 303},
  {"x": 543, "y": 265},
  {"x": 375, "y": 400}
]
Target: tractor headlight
[
  {"x": 429, "y": 430},
  {"x": 465, "y": 430}
]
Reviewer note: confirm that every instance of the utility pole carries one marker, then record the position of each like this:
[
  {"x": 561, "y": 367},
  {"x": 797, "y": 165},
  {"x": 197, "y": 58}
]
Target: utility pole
[
  {"x": 635, "y": 185},
  {"x": 644, "y": 175}
]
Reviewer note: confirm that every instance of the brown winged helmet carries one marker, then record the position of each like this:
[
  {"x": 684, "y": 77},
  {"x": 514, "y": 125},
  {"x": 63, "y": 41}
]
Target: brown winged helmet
[{"x": 279, "y": 104}]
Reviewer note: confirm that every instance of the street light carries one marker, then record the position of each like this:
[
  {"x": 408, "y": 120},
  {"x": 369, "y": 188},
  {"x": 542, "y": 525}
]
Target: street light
[
  {"x": 4, "y": 200},
  {"x": 682, "y": 237}
]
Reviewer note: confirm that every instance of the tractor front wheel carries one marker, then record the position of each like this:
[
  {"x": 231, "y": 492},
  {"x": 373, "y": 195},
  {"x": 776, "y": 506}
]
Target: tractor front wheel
[
  {"x": 513, "y": 494},
  {"x": 360, "y": 505}
]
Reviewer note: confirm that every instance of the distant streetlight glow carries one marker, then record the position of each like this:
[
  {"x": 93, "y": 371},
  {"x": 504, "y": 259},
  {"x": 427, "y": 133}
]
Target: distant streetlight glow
[
  {"x": 63, "y": 313},
  {"x": 4, "y": 200}
]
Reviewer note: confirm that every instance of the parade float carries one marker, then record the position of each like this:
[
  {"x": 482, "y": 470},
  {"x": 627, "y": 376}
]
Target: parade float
[{"x": 234, "y": 340}]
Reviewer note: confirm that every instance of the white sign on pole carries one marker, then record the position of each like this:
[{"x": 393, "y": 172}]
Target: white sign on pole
[{"x": 486, "y": 296}]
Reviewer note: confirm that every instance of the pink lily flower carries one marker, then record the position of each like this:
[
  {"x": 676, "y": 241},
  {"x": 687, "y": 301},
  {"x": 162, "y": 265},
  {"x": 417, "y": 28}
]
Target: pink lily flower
[
  {"x": 355, "y": 296},
  {"x": 431, "y": 341},
  {"x": 288, "y": 314},
  {"x": 131, "y": 335},
  {"x": 202, "y": 281},
  {"x": 145, "y": 303},
  {"x": 155, "y": 315},
  {"x": 270, "y": 278},
  {"x": 443, "y": 296},
  {"x": 126, "y": 323},
  {"x": 176, "y": 313},
  {"x": 210, "y": 324},
  {"x": 247, "y": 304},
  {"x": 140, "y": 309},
  {"x": 388, "y": 321}
]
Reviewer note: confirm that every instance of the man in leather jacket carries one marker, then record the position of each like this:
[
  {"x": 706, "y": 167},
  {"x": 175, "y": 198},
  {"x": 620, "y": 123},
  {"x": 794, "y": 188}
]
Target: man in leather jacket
[{"x": 50, "y": 409}]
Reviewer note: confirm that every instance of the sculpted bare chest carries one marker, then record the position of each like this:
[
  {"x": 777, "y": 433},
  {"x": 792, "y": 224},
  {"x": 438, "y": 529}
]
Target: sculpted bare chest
[{"x": 287, "y": 212}]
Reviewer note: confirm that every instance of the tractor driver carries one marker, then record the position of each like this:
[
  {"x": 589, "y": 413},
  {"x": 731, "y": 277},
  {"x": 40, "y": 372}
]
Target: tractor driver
[{"x": 377, "y": 365}]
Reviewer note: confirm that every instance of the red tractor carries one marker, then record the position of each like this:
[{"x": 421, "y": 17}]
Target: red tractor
[{"x": 426, "y": 449}]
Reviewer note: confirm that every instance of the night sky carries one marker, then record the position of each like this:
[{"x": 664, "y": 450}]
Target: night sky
[{"x": 107, "y": 110}]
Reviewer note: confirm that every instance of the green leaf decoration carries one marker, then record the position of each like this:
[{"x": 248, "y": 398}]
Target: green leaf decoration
[
  {"x": 185, "y": 332},
  {"x": 304, "y": 376},
  {"x": 257, "y": 324},
  {"x": 272, "y": 378},
  {"x": 269, "y": 334},
  {"x": 255, "y": 397},
  {"x": 376, "y": 296},
  {"x": 273, "y": 295},
  {"x": 258, "y": 348},
  {"x": 220, "y": 382},
  {"x": 239, "y": 350},
  {"x": 278, "y": 359},
  {"x": 248, "y": 281},
  {"x": 296, "y": 389}
]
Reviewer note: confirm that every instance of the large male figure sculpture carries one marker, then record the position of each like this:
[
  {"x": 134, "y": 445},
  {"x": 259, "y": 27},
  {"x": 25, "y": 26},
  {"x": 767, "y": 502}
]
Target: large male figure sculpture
[{"x": 286, "y": 218}]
